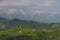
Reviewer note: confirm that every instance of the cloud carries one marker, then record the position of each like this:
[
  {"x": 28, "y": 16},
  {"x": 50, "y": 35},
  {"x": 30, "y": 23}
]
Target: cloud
[
  {"x": 18, "y": 3},
  {"x": 26, "y": 3},
  {"x": 24, "y": 12},
  {"x": 12, "y": 3},
  {"x": 1, "y": 0},
  {"x": 11, "y": 11},
  {"x": 54, "y": 13},
  {"x": 51, "y": 14},
  {"x": 39, "y": 12},
  {"x": 47, "y": 3},
  {"x": 31, "y": 13}
]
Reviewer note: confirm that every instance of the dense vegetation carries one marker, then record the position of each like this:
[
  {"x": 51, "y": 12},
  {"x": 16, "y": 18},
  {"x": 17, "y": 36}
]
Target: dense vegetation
[
  {"x": 29, "y": 34},
  {"x": 17, "y": 29}
]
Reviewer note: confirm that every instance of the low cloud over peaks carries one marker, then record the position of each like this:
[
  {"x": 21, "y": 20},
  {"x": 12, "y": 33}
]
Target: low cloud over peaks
[{"x": 30, "y": 9}]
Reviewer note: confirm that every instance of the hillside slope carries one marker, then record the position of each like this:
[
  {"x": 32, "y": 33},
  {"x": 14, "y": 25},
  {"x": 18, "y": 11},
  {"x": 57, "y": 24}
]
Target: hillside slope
[{"x": 15, "y": 23}]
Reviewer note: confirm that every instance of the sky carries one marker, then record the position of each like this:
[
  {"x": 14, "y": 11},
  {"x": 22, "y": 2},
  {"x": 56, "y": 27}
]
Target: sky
[{"x": 38, "y": 10}]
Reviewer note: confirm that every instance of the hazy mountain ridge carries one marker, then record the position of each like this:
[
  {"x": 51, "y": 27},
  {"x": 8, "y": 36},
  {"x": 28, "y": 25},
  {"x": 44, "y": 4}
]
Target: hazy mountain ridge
[{"x": 15, "y": 23}]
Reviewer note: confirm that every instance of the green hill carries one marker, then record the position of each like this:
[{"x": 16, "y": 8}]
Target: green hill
[
  {"x": 15, "y": 23},
  {"x": 16, "y": 29}
]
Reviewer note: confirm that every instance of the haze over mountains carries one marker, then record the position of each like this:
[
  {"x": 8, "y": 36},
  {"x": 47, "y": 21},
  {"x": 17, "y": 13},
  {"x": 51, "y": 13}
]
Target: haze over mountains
[
  {"x": 37, "y": 10},
  {"x": 26, "y": 14}
]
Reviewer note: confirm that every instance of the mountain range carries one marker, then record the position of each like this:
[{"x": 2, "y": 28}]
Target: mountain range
[{"x": 15, "y": 23}]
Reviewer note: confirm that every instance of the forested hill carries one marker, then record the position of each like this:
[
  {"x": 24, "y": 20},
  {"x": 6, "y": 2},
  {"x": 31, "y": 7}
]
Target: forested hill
[
  {"x": 16, "y": 29},
  {"x": 14, "y": 23}
]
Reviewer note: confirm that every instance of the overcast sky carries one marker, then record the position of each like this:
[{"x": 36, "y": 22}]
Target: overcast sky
[{"x": 31, "y": 7}]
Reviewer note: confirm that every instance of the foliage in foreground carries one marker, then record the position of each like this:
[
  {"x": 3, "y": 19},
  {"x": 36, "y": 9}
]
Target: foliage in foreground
[{"x": 29, "y": 34}]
